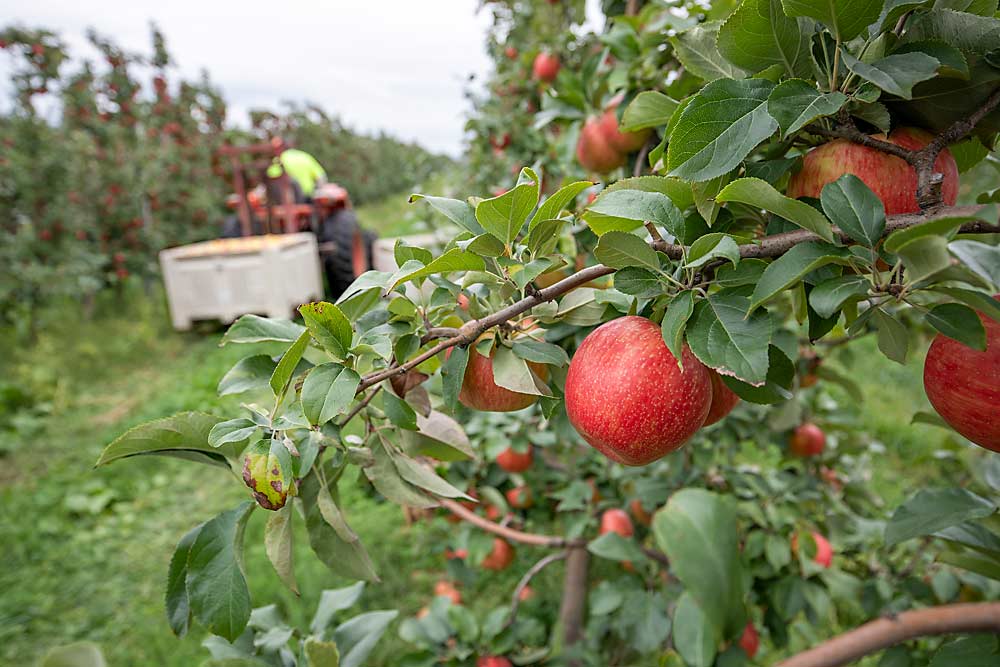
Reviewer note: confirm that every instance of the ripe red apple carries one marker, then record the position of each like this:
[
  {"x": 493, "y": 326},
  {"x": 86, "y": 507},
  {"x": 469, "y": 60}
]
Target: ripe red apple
[
  {"x": 750, "y": 640},
  {"x": 463, "y": 302},
  {"x": 617, "y": 521},
  {"x": 510, "y": 52},
  {"x": 526, "y": 594},
  {"x": 593, "y": 150},
  {"x": 493, "y": 661},
  {"x": 640, "y": 513},
  {"x": 501, "y": 556},
  {"x": 824, "y": 552},
  {"x": 623, "y": 142},
  {"x": 447, "y": 589},
  {"x": 627, "y": 397},
  {"x": 514, "y": 461},
  {"x": 889, "y": 177},
  {"x": 963, "y": 385},
  {"x": 807, "y": 440},
  {"x": 723, "y": 399},
  {"x": 546, "y": 67},
  {"x": 520, "y": 497},
  {"x": 459, "y": 554},
  {"x": 480, "y": 392}
]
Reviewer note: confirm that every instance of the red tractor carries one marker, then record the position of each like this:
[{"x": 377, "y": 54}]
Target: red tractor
[{"x": 276, "y": 206}]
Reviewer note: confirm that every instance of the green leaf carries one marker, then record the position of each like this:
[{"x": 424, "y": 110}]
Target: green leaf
[
  {"x": 453, "y": 374},
  {"x": 621, "y": 249},
  {"x": 345, "y": 558},
  {"x": 705, "y": 194},
  {"x": 399, "y": 411},
  {"x": 959, "y": 322},
  {"x": 975, "y": 651},
  {"x": 613, "y": 546},
  {"x": 697, "y": 531},
  {"x": 981, "y": 564},
  {"x": 640, "y": 206},
  {"x": 321, "y": 654},
  {"x": 232, "y": 430},
  {"x": 650, "y": 108},
  {"x": 719, "y": 127},
  {"x": 675, "y": 320},
  {"x": 896, "y": 73},
  {"x": 758, "y": 35},
  {"x": 726, "y": 336},
  {"x": 387, "y": 481},
  {"x": 712, "y": 246},
  {"x": 982, "y": 258},
  {"x": 931, "y": 510},
  {"x": 331, "y": 513},
  {"x": 953, "y": 63},
  {"x": 455, "y": 259},
  {"x": 791, "y": 267},
  {"x": 327, "y": 391},
  {"x": 846, "y": 19},
  {"x": 853, "y": 207},
  {"x": 982, "y": 302},
  {"x": 77, "y": 654},
  {"x": 796, "y": 103},
  {"x": 761, "y": 194},
  {"x": 216, "y": 586},
  {"x": 540, "y": 352},
  {"x": 828, "y": 297},
  {"x": 287, "y": 364},
  {"x": 185, "y": 434},
  {"x": 544, "y": 236},
  {"x": 329, "y": 326},
  {"x": 512, "y": 372},
  {"x": 249, "y": 374},
  {"x": 257, "y": 329},
  {"x": 459, "y": 212},
  {"x": 439, "y": 437},
  {"x": 777, "y": 386},
  {"x": 177, "y": 603},
  {"x": 424, "y": 477},
  {"x": 637, "y": 282},
  {"x": 964, "y": 31},
  {"x": 332, "y": 601},
  {"x": 278, "y": 545},
  {"x": 893, "y": 339},
  {"x": 698, "y": 51},
  {"x": 695, "y": 636},
  {"x": 269, "y": 473},
  {"x": 357, "y": 637},
  {"x": 504, "y": 216},
  {"x": 554, "y": 205}
]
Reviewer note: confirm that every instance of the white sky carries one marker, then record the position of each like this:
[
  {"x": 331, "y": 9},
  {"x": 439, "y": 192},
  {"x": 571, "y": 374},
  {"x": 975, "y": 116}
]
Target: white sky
[{"x": 397, "y": 65}]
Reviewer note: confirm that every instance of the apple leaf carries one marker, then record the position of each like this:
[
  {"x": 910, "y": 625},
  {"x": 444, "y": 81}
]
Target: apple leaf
[
  {"x": 640, "y": 206},
  {"x": 931, "y": 510},
  {"x": 327, "y": 391},
  {"x": 696, "y": 638},
  {"x": 621, "y": 249},
  {"x": 982, "y": 302},
  {"x": 719, "y": 127},
  {"x": 853, "y": 207},
  {"x": 257, "y": 329},
  {"x": 791, "y": 267},
  {"x": 796, "y": 103},
  {"x": 827, "y": 297},
  {"x": 455, "y": 259},
  {"x": 712, "y": 246},
  {"x": 512, "y": 372},
  {"x": 504, "y": 216},
  {"x": 287, "y": 364},
  {"x": 893, "y": 339},
  {"x": 650, "y": 108},
  {"x": 553, "y": 206},
  {"x": 759, "y": 35},
  {"x": 960, "y": 323},
  {"x": 674, "y": 322},
  {"x": 761, "y": 194},
  {"x": 776, "y": 388},
  {"x": 962, "y": 30},
  {"x": 896, "y": 73},
  {"x": 459, "y": 212},
  {"x": 329, "y": 326},
  {"x": 697, "y": 49},
  {"x": 726, "y": 336},
  {"x": 846, "y": 19}
]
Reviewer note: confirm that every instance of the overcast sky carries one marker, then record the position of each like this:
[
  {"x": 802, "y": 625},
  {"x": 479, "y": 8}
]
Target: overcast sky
[{"x": 397, "y": 65}]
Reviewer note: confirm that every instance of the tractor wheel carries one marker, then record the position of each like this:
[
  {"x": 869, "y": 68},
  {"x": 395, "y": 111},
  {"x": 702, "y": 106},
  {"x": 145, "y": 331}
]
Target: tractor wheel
[{"x": 351, "y": 254}]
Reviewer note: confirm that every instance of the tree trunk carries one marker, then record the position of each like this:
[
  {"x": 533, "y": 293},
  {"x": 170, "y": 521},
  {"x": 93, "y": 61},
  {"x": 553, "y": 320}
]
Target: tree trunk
[{"x": 574, "y": 600}]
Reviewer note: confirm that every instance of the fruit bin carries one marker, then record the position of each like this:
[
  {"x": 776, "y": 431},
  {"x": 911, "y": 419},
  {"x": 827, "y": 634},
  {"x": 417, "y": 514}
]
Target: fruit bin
[{"x": 225, "y": 278}]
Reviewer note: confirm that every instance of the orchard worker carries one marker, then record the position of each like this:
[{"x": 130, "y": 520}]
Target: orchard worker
[{"x": 304, "y": 170}]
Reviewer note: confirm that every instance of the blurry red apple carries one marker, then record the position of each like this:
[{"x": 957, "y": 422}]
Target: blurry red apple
[
  {"x": 963, "y": 385},
  {"x": 514, "y": 461},
  {"x": 617, "y": 521},
  {"x": 493, "y": 661},
  {"x": 520, "y": 497},
  {"x": 723, "y": 399},
  {"x": 750, "y": 640},
  {"x": 807, "y": 440},
  {"x": 640, "y": 513},
  {"x": 627, "y": 397},
  {"x": 593, "y": 150},
  {"x": 510, "y": 52},
  {"x": 480, "y": 392},
  {"x": 447, "y": 589},
  {"x": 623, "y": 142},
  {"x": 889, "y": 177},
  {"x": 501, "y": 556},
  {"x": 546, "y": 67}
]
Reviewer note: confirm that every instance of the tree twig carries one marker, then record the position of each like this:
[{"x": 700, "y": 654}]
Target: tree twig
[
  {"x": 885, "y": 632},
  {"x": 510, "y": 534},
  {"x": 515, "y": 598}
]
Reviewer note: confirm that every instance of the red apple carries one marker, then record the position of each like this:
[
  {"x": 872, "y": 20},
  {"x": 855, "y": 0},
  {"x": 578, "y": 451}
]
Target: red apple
[
  {"x": 526, "y": 594},
  {"x": 963, "y": 385},
  {"x": 824, "y": 552},
  {"x": 447, "y": 589},
  {"x": 510, "y": 52},
  {"x": 493, "y": 661},
  {"x": 750, "y": 640},
  {"x": 459, "y": 554},
  {"x": 640, "y": 513},
  {"x": 889, "y": 177},
  {"x": 480, "y": 392},
  {"x": 463, "y": 302},
  {"x": 627, "y": 397},
  {"x": 593, "y": 150},
  {"x": 807, "y": 440},
  {"x": 546, "y": 67},
  {"x": 617, "y": 521},
  {"x": 623, "y": 142},
  {"x": 723, "y": 399},
  {"x": 514, "y": 461},
  {"x": 501, "y": 556},
  {"x": 520, "y": 497}
]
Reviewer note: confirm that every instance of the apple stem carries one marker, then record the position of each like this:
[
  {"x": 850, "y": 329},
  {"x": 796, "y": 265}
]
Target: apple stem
[{"x": 885, "y": 632}]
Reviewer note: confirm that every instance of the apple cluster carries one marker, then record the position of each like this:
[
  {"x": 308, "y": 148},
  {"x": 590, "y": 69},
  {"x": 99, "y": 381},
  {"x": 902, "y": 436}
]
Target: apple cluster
[{"x": 602, "y": 147}]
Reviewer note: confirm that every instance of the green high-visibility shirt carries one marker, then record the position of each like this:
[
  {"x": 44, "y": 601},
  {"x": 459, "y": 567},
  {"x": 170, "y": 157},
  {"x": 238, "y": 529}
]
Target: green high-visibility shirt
[{"x": 301, "y": 167}]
